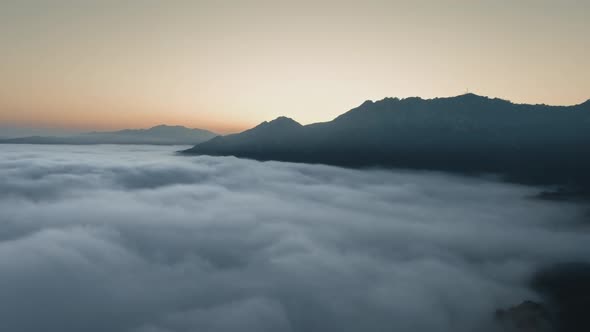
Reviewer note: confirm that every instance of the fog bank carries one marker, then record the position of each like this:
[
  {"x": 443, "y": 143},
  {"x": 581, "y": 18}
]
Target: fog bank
[{"x": 135, "y": 238}]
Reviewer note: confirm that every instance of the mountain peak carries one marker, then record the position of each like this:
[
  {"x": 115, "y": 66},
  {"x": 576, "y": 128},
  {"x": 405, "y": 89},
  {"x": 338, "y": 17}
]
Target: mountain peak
[
  {"x": 280, "y": 125},
  {"x": 165, "y": 126},
  {"x": 367, "y": 103},
  {"x": 284, "y": 119},
  {"x": 471, "y": 95},
  {"x": 281, "y": 121}
]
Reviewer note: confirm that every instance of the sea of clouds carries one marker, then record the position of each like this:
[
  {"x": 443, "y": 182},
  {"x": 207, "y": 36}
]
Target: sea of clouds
[{"x": 138, "y": 239}]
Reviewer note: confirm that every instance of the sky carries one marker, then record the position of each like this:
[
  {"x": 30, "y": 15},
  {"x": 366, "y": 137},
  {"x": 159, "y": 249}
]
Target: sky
[{"x": 229, "y": 65}]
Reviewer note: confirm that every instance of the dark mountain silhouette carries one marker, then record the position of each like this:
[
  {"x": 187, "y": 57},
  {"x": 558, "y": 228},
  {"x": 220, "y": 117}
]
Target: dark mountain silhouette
[
  {"x": 566, "y": 289},
  {"x": 156, "y": 135},
  {"x": 469, "y": 133}
]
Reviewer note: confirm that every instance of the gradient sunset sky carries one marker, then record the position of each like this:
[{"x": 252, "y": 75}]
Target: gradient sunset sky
[{"x": 228, "y": 65}]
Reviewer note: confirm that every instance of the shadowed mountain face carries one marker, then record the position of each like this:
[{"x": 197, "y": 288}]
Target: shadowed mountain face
[
  {"x": 469, "y": 133},
  {"x": 156, "y": 135},
  {"x": 566, "y": 288}
]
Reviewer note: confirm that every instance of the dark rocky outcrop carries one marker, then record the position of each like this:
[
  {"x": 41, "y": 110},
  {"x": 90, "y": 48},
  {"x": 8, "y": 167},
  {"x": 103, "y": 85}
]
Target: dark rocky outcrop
[
  {"x": 528, "y": 316},
  {"x": 566, "y": 289}
]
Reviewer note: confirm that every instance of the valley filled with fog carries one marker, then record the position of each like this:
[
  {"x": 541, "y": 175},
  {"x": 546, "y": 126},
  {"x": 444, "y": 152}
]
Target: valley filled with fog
[{"x": 141, "y": 239}]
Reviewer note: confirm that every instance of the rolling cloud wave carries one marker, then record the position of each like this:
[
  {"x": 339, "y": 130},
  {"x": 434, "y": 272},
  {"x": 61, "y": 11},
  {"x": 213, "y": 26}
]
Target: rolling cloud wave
[{"x": 120, "y": 238}]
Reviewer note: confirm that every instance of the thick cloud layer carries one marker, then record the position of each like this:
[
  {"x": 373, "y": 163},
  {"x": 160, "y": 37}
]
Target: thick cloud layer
[{"x": 123, "y": 238}]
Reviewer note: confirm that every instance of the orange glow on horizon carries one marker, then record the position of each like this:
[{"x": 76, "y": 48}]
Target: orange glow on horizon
[
  {"x": 108, "y": 65},
  {"x": 112, "y": 123}
]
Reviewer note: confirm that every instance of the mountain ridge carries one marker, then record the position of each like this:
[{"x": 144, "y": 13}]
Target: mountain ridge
[
  {"x": 159, "y": 135},
  {"x": 467, "y": 133}
]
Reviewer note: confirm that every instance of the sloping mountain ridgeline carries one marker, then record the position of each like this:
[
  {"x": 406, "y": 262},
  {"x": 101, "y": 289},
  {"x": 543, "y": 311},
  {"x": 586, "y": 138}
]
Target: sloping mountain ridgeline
[
  {"x": 159, "y": 135},
  {"x": 537, "y": 144}
]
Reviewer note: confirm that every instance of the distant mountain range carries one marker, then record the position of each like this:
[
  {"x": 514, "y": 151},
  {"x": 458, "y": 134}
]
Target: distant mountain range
[
  {"x": 160, "y": 135},
  {"x": 468, "y": 133}
]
